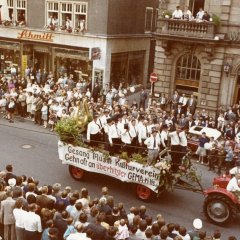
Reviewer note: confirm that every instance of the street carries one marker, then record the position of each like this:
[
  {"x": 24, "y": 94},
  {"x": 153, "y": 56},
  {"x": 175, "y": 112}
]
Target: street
[{"x": 32, "y": 150}]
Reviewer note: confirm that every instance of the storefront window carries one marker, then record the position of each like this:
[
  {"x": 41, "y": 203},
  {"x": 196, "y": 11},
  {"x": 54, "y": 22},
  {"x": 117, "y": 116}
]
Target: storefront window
[{"x": 127, "y": 68}]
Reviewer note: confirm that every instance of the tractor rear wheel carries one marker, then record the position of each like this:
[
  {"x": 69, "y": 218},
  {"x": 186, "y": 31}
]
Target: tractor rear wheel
[{"x": 218, "y": 209}]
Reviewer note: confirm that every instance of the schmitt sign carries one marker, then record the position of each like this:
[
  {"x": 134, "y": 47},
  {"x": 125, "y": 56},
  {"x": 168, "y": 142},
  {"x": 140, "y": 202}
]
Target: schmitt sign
[{"x": 29, "y": 35}]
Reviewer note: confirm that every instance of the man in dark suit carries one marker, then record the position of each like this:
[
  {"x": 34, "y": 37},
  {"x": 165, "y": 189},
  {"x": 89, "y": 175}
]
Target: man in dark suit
[
  {"x": 43, "y": 200},
  {"x": 192, "y": 104},
  {"x": 143, "y": 98},
  {"x": 230, "y": 135}
]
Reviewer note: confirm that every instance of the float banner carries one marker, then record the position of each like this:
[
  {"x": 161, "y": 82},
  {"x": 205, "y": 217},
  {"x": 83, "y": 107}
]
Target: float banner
[{"x": 92, "y": 161}]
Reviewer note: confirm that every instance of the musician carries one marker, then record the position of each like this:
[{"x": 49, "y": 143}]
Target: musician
[
  {"x": 175, "y": 148},
  {"x": 153, "y": 145},
  {"x": 142, "y": 136},
  {"x": 106, "y": 131},
  {"x": 114, "y": 137},
  {"x": 126, "y": 139},
  {"x": 133, "y": 132},
  {"x": 94, "y": 133},
  {"x": 164, "y": 136}
]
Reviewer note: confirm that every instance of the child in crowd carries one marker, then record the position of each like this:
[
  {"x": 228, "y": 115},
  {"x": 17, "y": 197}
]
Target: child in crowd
[
  {"x": 44, "y": 111},
  {"x": 52, "y": 119}
]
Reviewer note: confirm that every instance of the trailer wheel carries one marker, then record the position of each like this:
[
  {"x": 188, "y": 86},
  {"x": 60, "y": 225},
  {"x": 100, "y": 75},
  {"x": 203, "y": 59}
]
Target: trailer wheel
[
  {"x": 144, "y": 193},
  {"x": 76, "y": 173}
]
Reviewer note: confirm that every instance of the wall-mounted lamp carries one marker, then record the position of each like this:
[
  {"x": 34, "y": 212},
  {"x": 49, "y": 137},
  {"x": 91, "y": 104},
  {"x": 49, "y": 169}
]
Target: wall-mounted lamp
[{"x": 226, "y": 68}]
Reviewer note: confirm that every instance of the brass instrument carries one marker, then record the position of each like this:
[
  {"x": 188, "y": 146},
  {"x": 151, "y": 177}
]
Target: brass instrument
[{"x": 82, "y": 115}]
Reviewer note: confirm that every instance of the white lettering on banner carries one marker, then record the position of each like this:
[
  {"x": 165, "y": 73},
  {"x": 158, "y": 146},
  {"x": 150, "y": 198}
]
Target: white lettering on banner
[{"x": 118, "y": 168}]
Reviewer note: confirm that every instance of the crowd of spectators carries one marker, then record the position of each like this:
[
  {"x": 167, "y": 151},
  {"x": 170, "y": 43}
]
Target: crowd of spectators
[
  {"x": 45, "y": 100},
  {"x": 186, "y": 14},
  {"x": 52, "y": 212}
]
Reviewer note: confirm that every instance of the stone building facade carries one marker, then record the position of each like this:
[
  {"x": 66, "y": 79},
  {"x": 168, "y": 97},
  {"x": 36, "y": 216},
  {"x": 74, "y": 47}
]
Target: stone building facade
[{"x": 200, "y": 58}]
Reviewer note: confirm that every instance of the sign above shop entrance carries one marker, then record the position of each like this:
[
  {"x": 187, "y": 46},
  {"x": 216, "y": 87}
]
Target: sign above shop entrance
[{"x": 29, "y": 35}]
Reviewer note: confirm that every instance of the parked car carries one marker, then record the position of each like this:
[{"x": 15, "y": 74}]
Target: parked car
[{"x": 196, "y": 131}]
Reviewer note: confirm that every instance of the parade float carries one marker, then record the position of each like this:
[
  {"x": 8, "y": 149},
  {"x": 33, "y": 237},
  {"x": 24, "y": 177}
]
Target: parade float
[{"x": 75, "y": 152}]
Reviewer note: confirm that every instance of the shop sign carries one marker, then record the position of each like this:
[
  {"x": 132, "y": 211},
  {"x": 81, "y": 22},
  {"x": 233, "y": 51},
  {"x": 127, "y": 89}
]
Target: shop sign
[
  {"x": 29, "y": 35},
  {"x": 93, "y": 161}
]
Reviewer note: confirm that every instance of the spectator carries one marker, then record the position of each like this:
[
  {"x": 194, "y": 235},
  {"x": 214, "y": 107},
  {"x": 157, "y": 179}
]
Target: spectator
[{"x": 177, "y": 14}]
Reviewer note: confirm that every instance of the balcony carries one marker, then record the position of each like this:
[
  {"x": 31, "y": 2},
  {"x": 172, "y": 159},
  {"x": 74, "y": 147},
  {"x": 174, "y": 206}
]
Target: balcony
[{"x": 187, "y": 29}]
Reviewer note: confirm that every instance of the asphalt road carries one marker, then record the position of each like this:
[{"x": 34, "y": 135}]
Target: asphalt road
[{"x": 41, "y": 161}]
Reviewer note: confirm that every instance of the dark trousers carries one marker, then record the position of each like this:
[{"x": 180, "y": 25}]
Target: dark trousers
[
  {"x": 176, "y": 157},
  {"x": 38, "y": 117},
  {"x": 128, "y": 149},
  {"x": 116, "y": 146},
  {"x": 95, "y": 139},
  {"x": 31, "y": 235}
]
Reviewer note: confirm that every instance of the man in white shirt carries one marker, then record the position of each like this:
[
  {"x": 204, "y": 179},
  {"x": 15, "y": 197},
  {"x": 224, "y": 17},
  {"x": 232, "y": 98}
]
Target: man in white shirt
[
  {"x": 175, "y": 148},
  {"x": 114, "y": 134},
  {"x": 133, "y": 132},
  {"x": 200, "y": 14},
  {"x": 233, "y": 185},
  {"x": 32, "y": 223},
  {"x": 126, "y": 139},
  {"x": 94, "y": 132},
  {"x": 177, "y": 14},
  {"x": 153, "y": 145}
]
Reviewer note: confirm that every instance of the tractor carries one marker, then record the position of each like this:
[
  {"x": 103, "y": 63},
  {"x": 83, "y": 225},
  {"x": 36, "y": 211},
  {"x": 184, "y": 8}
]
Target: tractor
[{"x": 221, "y": 206}]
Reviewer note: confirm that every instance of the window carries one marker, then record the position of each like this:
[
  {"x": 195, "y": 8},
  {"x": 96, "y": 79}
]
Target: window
[
  {"x": 80, "y": 15},
  {"x": 17, "y": 11},
  {"x": 73, "y": 12},
  {"x": 148, "y": 19},
  {"x": 195, "y": 5},
  {"x": 52, "y": 10},
  {"x": 188, "y": 72}
]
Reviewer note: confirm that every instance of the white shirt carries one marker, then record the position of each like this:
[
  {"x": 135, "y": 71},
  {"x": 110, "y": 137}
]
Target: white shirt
[
  {"x": 77, "y": 236},
  {"x": 183, "y": 139},
  {"x": 177, "y": 14},
  {"x": 233, "y": 185},
  {"x": 150, "y": 142},
  {"x": 200, "y": 15},
  {"x": 32, "y": 222},
  {"x": 120, "y": 125},
  {"x": 126, "y": 137},
  {"x": 133, "y": 131},
  {"x": 164, "y": 138},
  {"x": 183, "y": 100},
  {"x": 93, "y": 128},
  {"x": 113, "y": 132},
  {"x": 175, "y": 140},
  {"x": 142, "y": 133},
  {"x": 102, "y": 121},
  {"x": 19, "y": 217},
  {"x": 44, "y": 110}
]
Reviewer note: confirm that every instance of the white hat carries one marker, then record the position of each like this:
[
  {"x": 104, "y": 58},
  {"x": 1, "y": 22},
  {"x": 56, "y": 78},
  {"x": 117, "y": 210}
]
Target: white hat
[
  {"x": 12, "y": 182},
  {"x": 197, "y": 223}
]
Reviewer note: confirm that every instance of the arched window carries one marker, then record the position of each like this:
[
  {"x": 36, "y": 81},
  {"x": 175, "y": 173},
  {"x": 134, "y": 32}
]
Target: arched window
[{"x": 188, "y": 71}]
